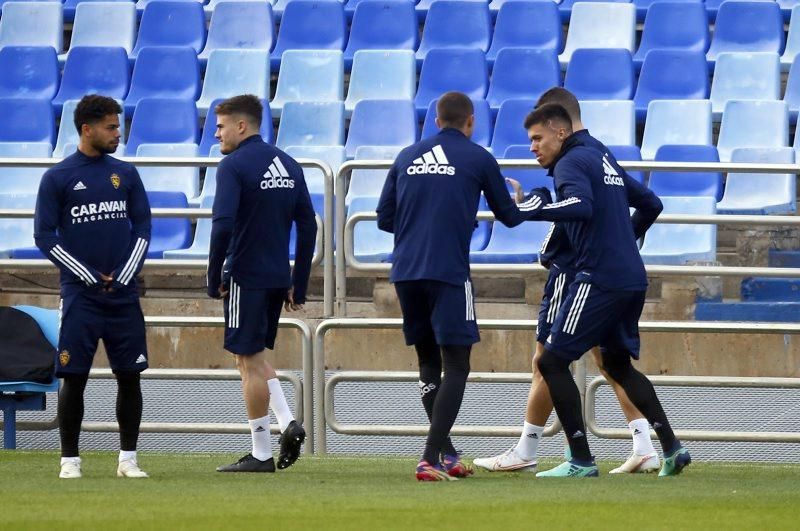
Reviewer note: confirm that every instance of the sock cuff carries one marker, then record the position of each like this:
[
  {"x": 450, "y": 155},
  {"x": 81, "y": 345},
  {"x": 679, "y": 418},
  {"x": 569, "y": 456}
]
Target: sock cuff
[
  {"x": 263, "y": 421},
  {"x": 639, "y": 423}
]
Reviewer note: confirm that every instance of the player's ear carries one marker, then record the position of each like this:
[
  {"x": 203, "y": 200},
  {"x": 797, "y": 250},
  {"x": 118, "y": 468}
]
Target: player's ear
[{"x": 438, "y": 123}]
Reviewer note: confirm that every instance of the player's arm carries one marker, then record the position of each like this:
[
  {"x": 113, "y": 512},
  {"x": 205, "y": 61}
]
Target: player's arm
[
  {"x": 500, "y": 202},
  {"x": 141, "y": 223},
  {"x": 387, "y": 204},
  {"x": 647, "y": 204},
  {"x": 306, "y": 222},
  {"x": 223, "y": 215},
  {"x": 45, "y": 233},
  {"x": 574, "y": 186}
]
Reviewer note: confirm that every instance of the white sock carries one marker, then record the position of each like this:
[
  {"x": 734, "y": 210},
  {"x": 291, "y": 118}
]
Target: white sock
[
  {"x": 277, "y": 402},
  {"x": 528, "y": 445},
  {"x": 127, "y": 456},
  {"x": 640, "y": 429},
  {"x": 70, "y": 460},
  {"x": 262, "y": 446}
]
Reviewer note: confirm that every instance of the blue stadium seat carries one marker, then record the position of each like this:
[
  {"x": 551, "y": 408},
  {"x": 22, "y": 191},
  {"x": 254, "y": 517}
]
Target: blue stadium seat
[
  {"x": 600, "y": 74},
  {"x": 233, "y": 72},
  {"x": 32, "y": 24},
  {"x": 760, "y": 193},
  {"x": 382, "y": 25},
  {"x": 444, "y": 70},
  {"x": 16, "y": 233},
  {"x": 141, "y": 5},
  {"x": 741, "y": 118},
  {"x": 529, "y": 178},
  {"x": 674, "y": 26},
  {"x": 519, "y": 245},
  {"x": 672, "y": 244},
  {"x": 333, "y": 155},
  {"x": 508, "y": 130},
  {"x": 240, "y": 25},
  {"x": 210, "y": 179},
  {"x": 611, "y": 122},
  {"x": 369, "y": 183},
  {"x": 456, "y": 24},
  {"x": 483, "y": 229},
  {"x": 786, "y": 8},
  {"x": 370, "y": 244},
  {"x": 600, "y": 25},
  {"x": 628, "y": 153},
  {"x": 792, "y": 95},
  {"x": 310, "y": 25},
  {"x": 671, "y": 75},
  {"x": 207, "y": 140},
  {"x": 643, "y": 7},
  {"x": 70, "y": 7},
  {"x": 170, "y": 23},
  {"x": 94, "y": 70},
  {"x": 168, "y": 234},
  {"x": 27, "y": 120},
  {"x": 526, "y": 24},
  {"x": 68, "y": 138},
  {"x": 747, "y": 27},
  {"x": 202, "y": 238},
  {"x": 423, "y": 7},
  {"x": 22, "y": 180},
  {"x": 164, "y": 72},
  {"x": 106, "y": 24},
  {"x": 28, "y": 72},
  {"x": 792, "y": 40},
  {"x": 381, "y": 123},
  {"x": 162, "y": 121},
  {"x": 279, "y": 6},
  {"x": 522, "y": 73},
  {"x": 745, "y": 76},
  {"x": 689, "y": 183},
  {"x": 482, "y": 135},
  {"x": 309, "y": 75},
  {"x": 676, "y": 122},
  {"x": 565, "y": 7},
  {"x": 184, "y": 179},
  {"x": 311, "y": 124},
  {"x": 381, "y": 74}
]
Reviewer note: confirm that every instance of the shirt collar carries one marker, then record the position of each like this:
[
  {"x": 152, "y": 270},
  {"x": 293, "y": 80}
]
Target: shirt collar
[
  {"x": 250, "y": 139},
  {"x": 570, "y": 142}
]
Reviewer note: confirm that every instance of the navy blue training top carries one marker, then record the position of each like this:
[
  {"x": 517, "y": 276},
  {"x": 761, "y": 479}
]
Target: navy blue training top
[
  {"x": 430, "y": 200},
  {"x": 92, "y": 217},
  {"x": 260, "y": 192}
]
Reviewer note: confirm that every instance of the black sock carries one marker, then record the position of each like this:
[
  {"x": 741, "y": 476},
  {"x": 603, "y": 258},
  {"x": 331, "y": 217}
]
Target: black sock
[
  {"x": 448, "y": 400},
  {"x": 430, "y": 379},
  {"x": 567, "y": 402},
  {"x": 129, "y": 408},
  {"x": 70, "y": 413}
]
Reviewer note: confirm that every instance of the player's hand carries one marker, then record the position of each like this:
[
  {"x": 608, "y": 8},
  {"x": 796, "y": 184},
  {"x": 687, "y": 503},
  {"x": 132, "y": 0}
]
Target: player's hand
[
  {"x": 223, "y": 291},
  {"x": 108, "y": 281},
  {"x": 289, "y": 303},
  {"x": 518, "y": 194}
]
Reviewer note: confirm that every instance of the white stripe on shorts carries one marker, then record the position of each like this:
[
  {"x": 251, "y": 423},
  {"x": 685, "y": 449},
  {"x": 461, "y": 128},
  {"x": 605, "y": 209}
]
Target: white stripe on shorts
[
  {"x": 571, "y": 322},
  {"x": 469, "y": 299},
  {"x": 555, "y": 300}
]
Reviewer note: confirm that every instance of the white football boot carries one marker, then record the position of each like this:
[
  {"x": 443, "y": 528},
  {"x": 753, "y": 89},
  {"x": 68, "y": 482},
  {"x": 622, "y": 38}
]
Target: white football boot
[
  {"x": 639, "y": 464},
  {"x": 128, "y": 468},
  {"x": 508, "y": 461},
  {"x": 71, "y": 469}
]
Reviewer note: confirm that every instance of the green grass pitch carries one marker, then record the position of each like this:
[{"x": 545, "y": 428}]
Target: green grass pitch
[{"x": 184, "y": 492}]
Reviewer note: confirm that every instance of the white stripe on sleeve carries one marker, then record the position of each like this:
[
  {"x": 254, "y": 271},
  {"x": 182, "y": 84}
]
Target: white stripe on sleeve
[{"x": 73, "y": 265}]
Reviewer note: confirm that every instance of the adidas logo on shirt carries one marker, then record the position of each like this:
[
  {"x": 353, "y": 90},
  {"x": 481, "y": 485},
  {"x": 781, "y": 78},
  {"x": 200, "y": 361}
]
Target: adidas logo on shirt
[
  {"x": 432, "y": 162},
  {"x": 612, "y": 177},
  {"x": 277, "y": 176},
  {"x": 79, "y": 186}
]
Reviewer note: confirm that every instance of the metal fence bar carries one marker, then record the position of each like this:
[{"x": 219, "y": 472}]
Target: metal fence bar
[{"x": 696, "y": 381}]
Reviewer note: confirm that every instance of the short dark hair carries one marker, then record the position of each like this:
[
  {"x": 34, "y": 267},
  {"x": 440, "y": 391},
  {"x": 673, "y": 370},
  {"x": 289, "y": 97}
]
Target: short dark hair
[
  {"x": 454, "y": 109},
  {"x": 93, "y": 108},
  {"x": 546, "y": 113},
  {"x": 246, "y": 104},
  {"x": 562, "y": 97}
]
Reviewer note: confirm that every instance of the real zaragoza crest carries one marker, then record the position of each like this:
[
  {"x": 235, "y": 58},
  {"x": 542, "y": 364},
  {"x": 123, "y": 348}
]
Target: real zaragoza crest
[
  {"x": 115, "y": 180},
  {"x": 63, "y": 358}
]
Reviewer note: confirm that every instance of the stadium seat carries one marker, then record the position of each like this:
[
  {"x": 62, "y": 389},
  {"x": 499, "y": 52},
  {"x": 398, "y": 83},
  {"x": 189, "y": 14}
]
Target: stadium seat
[
  {"x": 482, "y": 135},
  {"x": 628, "y": 153},
  {"x": 27, "y": 120},
  {"x": 673, "y": 244},
  {"x": 162, "y": 121},
  {"x": 279, "y": 6},
  {"x": 792, "y": 40},
  {"x": 164, "y": 72},
  {"x": 370, "y": 244},
  {"x": 32, "y": 24},
  {"x": 70, "y": 7},
  {"x": 747, "y": 27},
  {"x": 382, "y": 25},
  {"x": 526, "y": 24},
  {"x": 611, "y": 122},
  {"x": 744, "y": 76},
  {"x": 310, "y": 25},
  {"x": 207, "y": 139},
  {"x": 760, "y": 193},
  {"x": 518, "y": 245},
  {"x": 94, "y": 70},
  {"x": 16, "y": 233},
  {"x": 792, "y": 95},
  {"x": 240, "y": 25},
  {"x": 786, "y": 8},
  {"x": 456, "y": 24},
  {"x": 444, "y": 70},
  {"x": 643, "y": 7},
  {"x": 141, "y": 5},
  {"x": 369, "y": 183},
  {"x": 334, "y": 156},
  {"x": 600, "y": 25},
  {"x": 529, "y": 178},
  {"x": 674, "y": 26},
  {"x": 600, "y": 74},
  {"x": 202, "y": 238},
  {"x": 309, "y": 75},
  {"x": 22, "y": 180},
  {"x": 522, "y": 73},
  {"x": 210, "y": 179},
  {"x": 508, "y": 130},
  {"x": 28, "y": 72},
  {"x": 68, "y": 138},
  {"x": 311, "y": 124},
  {"x": 423, "y": 7},
  {"x": 483, "y": 229},
  {"x": 381, "y": 74},
  {"x": 169, "y": 23},
  {"x": 185, "y": 179},
  {"x": 168, "y": 234},
  {"x": 381, "y": 123},
  {"x": 671, "y": 75},
  {"x": 676, "y": 122},
  {"x": 741, "y": 118},
  {"x": 106, "y": 24},
  {"x": 689, "y": 183},
  {"x": 233, "y": 72}
]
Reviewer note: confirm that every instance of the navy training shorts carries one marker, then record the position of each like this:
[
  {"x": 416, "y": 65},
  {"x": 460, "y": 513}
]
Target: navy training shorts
[
  {"x": 251, "y": 318},
  {"x": 431, "y": 307},
  {"x": 555, "y": 290}
]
